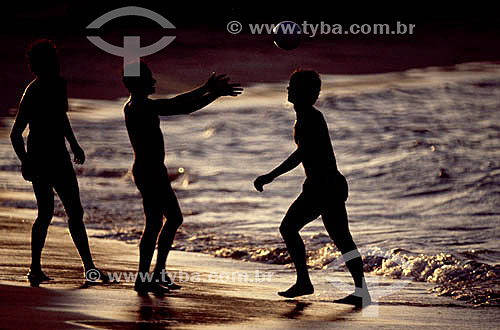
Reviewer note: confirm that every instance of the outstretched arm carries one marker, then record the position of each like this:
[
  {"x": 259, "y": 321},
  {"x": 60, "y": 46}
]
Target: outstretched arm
[
  {"x": 185, "y": 103},
  {"x": 189, "y": 102},
  {"x": 289, "y": 164},
  {"x": 75, "y": 147}
]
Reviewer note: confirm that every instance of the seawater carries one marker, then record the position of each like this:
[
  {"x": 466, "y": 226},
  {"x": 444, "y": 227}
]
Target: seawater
[{"x": 420, "y": 150}]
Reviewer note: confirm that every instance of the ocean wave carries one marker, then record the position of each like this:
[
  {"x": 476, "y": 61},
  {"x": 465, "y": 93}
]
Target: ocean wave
[
  {"x": 463, "y": 279},
  {"x": 466, "y": 280}
]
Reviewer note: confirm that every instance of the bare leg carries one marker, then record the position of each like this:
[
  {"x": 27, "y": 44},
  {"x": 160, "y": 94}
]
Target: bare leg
[
  {"x": 154, "y": 219},
  {"x": 336, "y": 223},
  {"x": 69, "y": 193},
  {"x": 45, "y": 201},
  {"x": 152, "y": 186},
  {"x": 174, "y": 221},
  {"x": 79, "y": 236},
  {"x": 298, "y": 215}
]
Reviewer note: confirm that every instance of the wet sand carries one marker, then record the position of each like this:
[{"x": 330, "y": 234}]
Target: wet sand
[{"x": 65, "y": 304}]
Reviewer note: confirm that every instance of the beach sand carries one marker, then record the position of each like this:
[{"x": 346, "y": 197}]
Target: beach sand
[{"x": 65, "y": 303}]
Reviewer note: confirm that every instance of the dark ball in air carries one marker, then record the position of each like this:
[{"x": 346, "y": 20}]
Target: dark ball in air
[{"x": 287, "y": 35}]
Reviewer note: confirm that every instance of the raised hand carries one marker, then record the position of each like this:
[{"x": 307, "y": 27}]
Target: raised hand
[
  {"x": 211, "y": 84},
  {"x": 230, "y": 90},
  {"x": 261, "y": 181},
  {"x": 220, "y": 86}
]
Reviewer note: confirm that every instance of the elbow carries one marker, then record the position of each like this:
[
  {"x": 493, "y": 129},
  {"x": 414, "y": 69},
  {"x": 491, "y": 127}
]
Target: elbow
[{"x": 14, "y": 136}]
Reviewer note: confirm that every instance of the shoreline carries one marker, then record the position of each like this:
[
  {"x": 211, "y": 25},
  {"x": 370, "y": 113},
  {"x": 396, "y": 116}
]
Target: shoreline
[{"x": 64, "y": 303}]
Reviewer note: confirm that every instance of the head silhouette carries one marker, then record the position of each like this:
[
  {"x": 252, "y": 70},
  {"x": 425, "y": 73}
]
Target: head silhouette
[
  {"x": 144, "y": 84},
  {"x": 42, "y": 58},
  {"x": 304, "y": 87}
]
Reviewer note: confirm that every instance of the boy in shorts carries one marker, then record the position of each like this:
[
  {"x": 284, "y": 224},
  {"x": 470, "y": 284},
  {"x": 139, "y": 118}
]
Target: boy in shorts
[{"x": 324, "y": 191}]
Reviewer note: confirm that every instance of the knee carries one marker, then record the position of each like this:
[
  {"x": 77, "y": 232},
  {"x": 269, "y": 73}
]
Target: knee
[
  {"x": 344, "y": 243},
  {"x": 148, "y": 238},
  {"x": 42, "y": 221},
  {"x": 175, "y": 222},
  {"x": 286, "y": 230},
  {"x": 152, "y": 229}
]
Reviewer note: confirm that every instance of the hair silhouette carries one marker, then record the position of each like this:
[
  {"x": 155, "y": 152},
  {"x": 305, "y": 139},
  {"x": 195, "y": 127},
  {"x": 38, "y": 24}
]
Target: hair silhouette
[
  {"x": 306, "y": 85},
  {"x": 42, "y": 58},
  {"x": 141, "y": 83}
]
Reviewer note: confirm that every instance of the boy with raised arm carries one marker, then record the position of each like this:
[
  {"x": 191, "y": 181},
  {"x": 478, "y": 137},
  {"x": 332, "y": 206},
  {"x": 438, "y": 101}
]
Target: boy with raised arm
[
  {"x": 324, "y": 191},
  {"x": 149, "y": 171},
  {"x": 46, "y": 162}
]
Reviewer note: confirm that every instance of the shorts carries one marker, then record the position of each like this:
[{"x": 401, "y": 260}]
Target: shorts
[{"x": 327, "y": 190}]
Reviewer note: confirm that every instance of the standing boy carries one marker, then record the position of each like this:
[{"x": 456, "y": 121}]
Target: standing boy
[
  {"x": 149, "y": 171},
  {"x": 46, "y": 162}
]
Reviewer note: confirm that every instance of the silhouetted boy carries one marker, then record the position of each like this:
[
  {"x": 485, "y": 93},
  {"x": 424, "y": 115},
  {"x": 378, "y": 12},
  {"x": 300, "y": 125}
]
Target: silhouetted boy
[
  {"x": 46, "y": 162},
  {"x": 324, "y": 190},
  {"x": 149, "y": 171}
]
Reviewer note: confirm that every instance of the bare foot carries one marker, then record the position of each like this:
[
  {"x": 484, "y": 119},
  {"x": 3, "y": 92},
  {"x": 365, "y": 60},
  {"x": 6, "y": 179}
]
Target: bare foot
[
  {"x": 297, "y": 290},
  {"x": 164, "y": 280},
  {"x": 143, "y": 288},
  {"x": 357, "y": 300},
  {"x": 37, "y": 277},
  {"x": 95, "y": 276}
]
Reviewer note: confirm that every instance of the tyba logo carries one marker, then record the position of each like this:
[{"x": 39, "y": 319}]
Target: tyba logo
[{"x": 131, "y": 50}]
